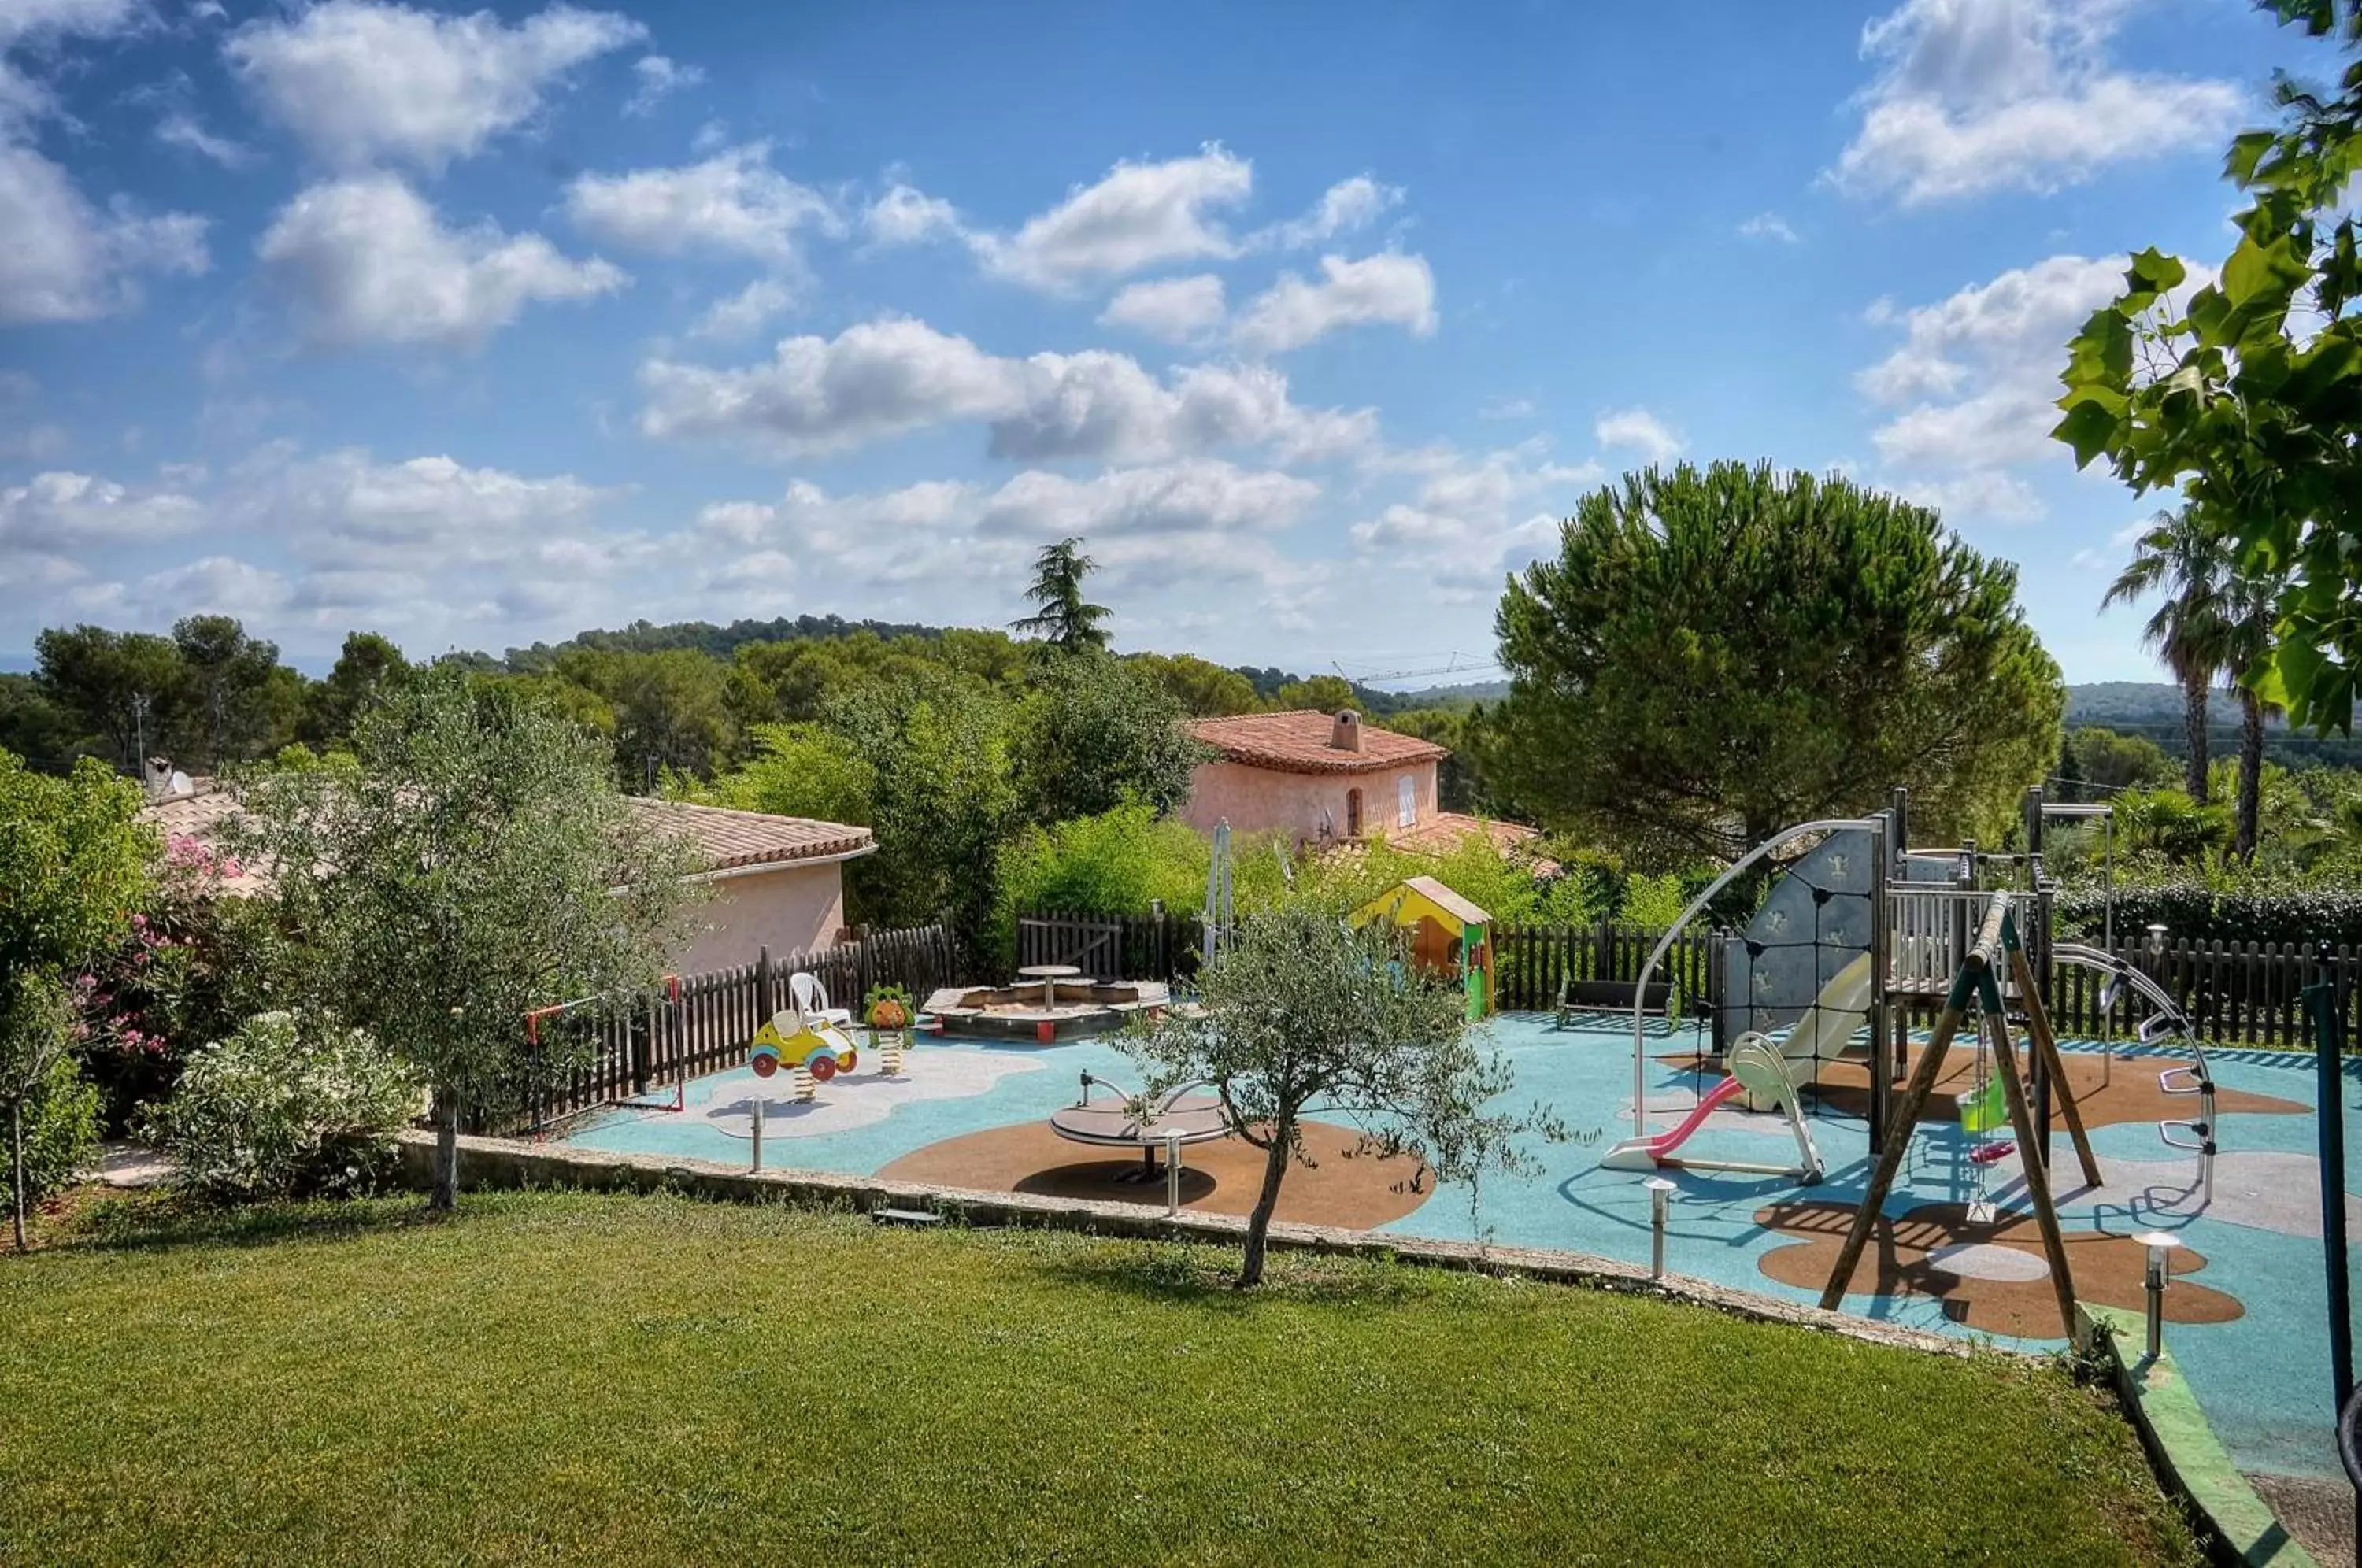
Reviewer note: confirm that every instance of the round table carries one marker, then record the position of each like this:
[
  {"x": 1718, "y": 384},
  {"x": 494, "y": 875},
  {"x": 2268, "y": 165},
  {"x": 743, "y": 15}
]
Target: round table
[{"x": 1049, "y": 974}]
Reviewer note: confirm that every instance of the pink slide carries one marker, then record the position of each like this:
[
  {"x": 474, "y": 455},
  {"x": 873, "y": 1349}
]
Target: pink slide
[{"x": 1641, "y": 1153}]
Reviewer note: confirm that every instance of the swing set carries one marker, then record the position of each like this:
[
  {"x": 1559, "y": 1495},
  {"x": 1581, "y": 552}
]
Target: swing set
[{"x": 1994, "y": 971}]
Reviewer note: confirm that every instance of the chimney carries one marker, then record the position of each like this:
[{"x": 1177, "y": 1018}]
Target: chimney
[
  {"x": 156, "y": 775},
  {"x": 1345, "y": 734}
]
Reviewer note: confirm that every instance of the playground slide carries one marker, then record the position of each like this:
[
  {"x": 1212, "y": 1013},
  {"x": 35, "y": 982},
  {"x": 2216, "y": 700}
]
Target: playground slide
[
  {"x": 1643, "y": 1154},
  {"x": 1828, "y": 1028}
]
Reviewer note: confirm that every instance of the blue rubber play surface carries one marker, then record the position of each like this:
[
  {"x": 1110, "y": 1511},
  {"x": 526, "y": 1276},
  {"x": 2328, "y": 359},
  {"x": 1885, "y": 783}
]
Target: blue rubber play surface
[{"x": 2262, "y": 1376}]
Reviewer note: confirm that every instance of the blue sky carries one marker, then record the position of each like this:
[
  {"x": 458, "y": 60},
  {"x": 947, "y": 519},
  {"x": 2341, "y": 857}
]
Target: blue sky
[{"x": 480, "y": 327}]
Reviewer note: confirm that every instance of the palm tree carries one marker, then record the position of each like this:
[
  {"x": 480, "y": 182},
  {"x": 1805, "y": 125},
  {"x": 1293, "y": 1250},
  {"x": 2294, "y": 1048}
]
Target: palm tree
[
  {"x": 2250, "y": 614},
  {"x": 1065, "y": 618},
  {"x": 2183, "y": 555}
]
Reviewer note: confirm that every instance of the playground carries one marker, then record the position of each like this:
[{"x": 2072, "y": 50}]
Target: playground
[{"x": 1873, "y": 988}]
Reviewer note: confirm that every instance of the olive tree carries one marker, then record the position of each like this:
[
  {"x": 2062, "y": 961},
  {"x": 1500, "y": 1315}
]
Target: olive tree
[
  {"x": 473, "y": 863},
  {"x": 74, "y": 864},
  {"x": 1303, "y": 1015}
]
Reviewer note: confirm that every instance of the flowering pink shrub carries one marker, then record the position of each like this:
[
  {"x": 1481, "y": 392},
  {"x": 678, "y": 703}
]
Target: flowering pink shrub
[{"x": 194, "y": 964}]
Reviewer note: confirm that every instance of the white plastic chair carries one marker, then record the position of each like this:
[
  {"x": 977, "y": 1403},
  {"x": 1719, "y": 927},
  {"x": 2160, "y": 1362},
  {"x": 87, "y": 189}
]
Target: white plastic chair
[{"x": 811, "y": 999}]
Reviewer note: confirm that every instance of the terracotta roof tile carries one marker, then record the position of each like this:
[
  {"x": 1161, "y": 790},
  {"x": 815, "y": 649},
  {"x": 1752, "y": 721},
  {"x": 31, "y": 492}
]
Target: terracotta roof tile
[
  {"x": 1297, "y": 742},
  {"x": 729, "y": 839},
  {"x": 733, "y": 838}
]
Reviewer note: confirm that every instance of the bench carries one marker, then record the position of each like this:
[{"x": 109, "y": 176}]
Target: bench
[{"x": 1610, "y": 996}]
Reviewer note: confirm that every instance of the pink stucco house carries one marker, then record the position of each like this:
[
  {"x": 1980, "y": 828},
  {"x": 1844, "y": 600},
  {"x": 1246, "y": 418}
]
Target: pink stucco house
[
  {"x": 766, "y": 880},
  {"x": 1318, "y": 777}
]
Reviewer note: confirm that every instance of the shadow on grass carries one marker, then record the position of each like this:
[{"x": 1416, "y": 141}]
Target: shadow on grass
[
  {"x": 1204, "y": 1274},
  {"x": 159, "y": 1221}
]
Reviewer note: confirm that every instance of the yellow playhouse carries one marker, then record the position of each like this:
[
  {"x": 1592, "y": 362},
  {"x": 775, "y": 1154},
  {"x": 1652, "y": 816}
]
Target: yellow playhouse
[{"x": 1449, "y": 934}]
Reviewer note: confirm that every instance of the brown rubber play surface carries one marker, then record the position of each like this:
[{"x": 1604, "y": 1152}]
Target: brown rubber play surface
[
  {"x": 2131, "y": 1094},
  {"x": 2107, "y": 1269},
  {"x": 1221, "y": 1177}
]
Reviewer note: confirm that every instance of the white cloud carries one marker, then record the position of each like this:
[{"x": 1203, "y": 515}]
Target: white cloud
[
  {"x": 1973, "y": 383},
  {"x": 743, "y": 314},
  {"x": 63, "y": 512},
  {"x": 345, "y": 511},
  {"x": 886, "y": 377},
  {"x": 1638, "y": 430},
  {"x": 1506, "y": 408},
  {"x": 660, "y": 79},
  {"x": 1138, "y": 216},
  {"x": 183, "y": 129},
  {"x": 733, "y": 201},
  {"x": 1173, "y": 310},
  {"x": 62, "y": 257},
  {"x": 1990, "y": 493},
  {"x": 358, "y": 82},
  {"x": 1344, "y": 207},
  {"x": 1768, "y": 226},
  {"x": 1388, "y": 287},
  {"x": 872, "y": 380},
  {"x": 368, "y": 261},
  {"x": 1158, "y": 532},
  {"x": 1973, "y": 96},
  {"x": 1470, "y": 520},
  {"x": 1202, "y": 495},
  {"x": 908, "y": 216},
  {"x": 66, "y": 260}
]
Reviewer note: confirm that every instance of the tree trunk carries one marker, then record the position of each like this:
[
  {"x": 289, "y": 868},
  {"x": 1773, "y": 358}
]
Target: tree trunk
[
  {"x": 2251, "y": 772},
  {"x": 1274, "y": 1169},
  {"x": 2193, "y": 729},
  {"x": 446, "y": 1195},
  {"x": 16, "y": 1168}
]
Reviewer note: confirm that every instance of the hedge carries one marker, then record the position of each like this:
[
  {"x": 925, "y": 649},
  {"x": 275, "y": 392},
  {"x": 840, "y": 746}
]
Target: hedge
[{"x": 2192, "y": 911}]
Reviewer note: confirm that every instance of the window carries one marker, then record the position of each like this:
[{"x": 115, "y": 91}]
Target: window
[
  {"x": 1353, "y": 813},
  {"x": 1406, "y": 802}
]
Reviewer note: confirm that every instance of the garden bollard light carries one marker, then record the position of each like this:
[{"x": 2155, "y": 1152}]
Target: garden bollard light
[
  {"x": 757, "y": 1165},
  {"x": 1660, "y": 1202},
  {"x": 2160, "y": 1271}
]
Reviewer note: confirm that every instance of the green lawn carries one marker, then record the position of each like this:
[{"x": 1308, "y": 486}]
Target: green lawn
[{"x": 587, "y": 1379}]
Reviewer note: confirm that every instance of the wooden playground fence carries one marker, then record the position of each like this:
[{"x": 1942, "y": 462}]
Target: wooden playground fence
[
  {"x": 657, "y": 1041},
  {"x": 2233, "y": 993}
]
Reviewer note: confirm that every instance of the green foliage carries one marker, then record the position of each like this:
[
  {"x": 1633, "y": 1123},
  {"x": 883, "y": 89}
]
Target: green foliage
[
  {"x": 671, "y": 710},
  {"x": 74, "y": 865},
  {"x": 1326, "y": 692},
  {"x": 57, "y": 1107},
  {"x": 477, "y": 864},
  {"x": 2171, "y": 826},
  {"x": 2108, "y": 761},
  {"x": 1301, "y": 1012},
  {"x": 1117, "y": 862},
  {"x": 2243, "y": 393},
  {"x": 1714, "y": 654},
  {"x": 801, "y": 770},
  {"x": 1096, "y": 731},
  {"x": 1653, "y": 902},
  {"x": 290, "y": 1105},
  {"x": 367, "y": 669},
  {"x": 102, "y": 679},
  {"x": 2183, "y": 558},
  {"x": 2193, "y": 911},
  {"x": 34, "y": 727},
  {"x": 1065, "y": 619},
  {"x": 1204, "y": 690}
]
